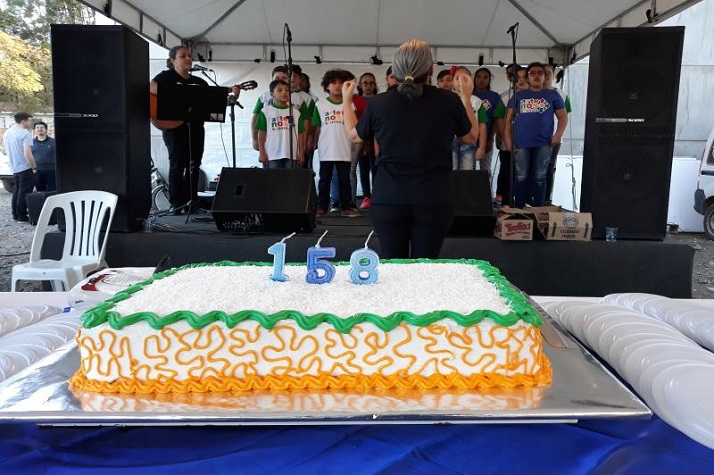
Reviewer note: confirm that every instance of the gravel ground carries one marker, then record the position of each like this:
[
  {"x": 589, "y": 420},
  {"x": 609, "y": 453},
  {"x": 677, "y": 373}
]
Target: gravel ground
[{"x": 16, "y": 240}]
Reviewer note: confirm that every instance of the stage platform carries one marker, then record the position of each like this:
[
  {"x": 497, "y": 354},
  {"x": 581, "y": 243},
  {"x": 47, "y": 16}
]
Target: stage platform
[{"x": 593, "y": 268}]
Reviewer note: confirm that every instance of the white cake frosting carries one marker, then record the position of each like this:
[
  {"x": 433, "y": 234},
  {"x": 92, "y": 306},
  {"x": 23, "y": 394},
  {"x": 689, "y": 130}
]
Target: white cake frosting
[
  {"x": 418, "y": 288},
  {"x": 321, "y": 348}
]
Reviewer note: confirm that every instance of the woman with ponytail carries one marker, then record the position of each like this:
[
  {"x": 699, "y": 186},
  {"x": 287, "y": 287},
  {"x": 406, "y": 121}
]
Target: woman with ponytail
[{"x": 414, "y": 125}]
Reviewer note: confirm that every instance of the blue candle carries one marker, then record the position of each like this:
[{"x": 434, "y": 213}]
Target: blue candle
[
  {"x": 363, "y": 265},
  {"x": 277, "y": 250},
  {"x": 319, "y": 271}
]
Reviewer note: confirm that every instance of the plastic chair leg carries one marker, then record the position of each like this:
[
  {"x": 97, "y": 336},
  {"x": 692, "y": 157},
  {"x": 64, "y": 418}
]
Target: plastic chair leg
[{"x": 59, "y": 286}]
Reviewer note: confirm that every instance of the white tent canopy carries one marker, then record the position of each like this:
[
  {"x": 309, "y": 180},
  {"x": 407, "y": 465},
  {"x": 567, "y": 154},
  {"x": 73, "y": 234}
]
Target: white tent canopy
[{"x": 342, "y": 31}]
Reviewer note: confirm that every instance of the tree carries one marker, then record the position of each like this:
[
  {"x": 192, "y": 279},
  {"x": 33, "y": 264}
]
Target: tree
[
  {"x": 25, "y": 55},
  {"x": 31, "y": 19},
  {"x": 17, "y": 59}
]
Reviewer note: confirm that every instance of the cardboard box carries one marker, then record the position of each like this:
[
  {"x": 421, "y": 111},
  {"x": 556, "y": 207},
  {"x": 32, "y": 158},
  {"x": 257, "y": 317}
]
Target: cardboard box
[
  {"x": 544, "y": 222},
  {"x": 569, "y": 226},
  {"x": 542, "y": 217},
  {"x": 513, "y": 224}
]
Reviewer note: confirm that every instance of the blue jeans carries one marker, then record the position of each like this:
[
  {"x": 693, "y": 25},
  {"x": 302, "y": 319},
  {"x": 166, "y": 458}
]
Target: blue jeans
[
  {"x": 334, "y": 189},
  {"x": 280, "y": 163},
  {"x": 24, "y": 182},
  {"x": 463, "y": 155},
  {"x": 531, "y": 166},
  {"x": 485, "y": 163},
  {"x": 46, "y": 180},
  {"x": 550, "y": 176},
  {"x": 342, "y": 170}
]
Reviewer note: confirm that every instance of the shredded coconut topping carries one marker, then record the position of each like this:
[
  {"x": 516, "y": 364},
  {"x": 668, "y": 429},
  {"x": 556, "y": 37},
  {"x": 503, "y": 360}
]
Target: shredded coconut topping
[{"x": 418, "y": 288}]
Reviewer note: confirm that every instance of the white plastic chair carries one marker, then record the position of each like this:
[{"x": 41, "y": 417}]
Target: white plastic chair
[{"x": 84, "y": 212}]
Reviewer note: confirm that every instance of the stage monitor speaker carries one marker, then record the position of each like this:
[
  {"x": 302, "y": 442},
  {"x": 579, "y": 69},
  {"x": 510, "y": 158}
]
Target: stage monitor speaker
[
  {"x": 633, "y": 87},
  {"x": 35, "y": 202},
  {"x": 473, "y": 204},
  {"x": 284, "y": 199},
  {"x": 101, "y": 100}
]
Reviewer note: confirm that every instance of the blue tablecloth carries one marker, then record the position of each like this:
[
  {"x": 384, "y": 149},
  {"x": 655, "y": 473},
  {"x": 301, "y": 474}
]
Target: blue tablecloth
[{"x": 647, "y": 446}]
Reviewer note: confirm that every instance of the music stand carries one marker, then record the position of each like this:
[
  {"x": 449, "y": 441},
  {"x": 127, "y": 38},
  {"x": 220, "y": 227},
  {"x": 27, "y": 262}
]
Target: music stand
[{"x": 192, "y": 104}]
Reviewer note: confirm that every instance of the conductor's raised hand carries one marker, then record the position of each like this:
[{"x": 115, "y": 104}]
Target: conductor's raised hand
[
  {"x": 348, "y": 90},
  {"x": 466, "y": 83}
]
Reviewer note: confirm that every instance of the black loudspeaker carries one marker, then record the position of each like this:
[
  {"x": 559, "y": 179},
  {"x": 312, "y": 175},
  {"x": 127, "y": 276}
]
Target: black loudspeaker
[
  {"x": 633, "y": 87},
  {"x": 101, "y": 100},
  {"x": 284, "y": 199},
  {"x": 473, "y": 204},
  {"x": 35, "y": 202}
]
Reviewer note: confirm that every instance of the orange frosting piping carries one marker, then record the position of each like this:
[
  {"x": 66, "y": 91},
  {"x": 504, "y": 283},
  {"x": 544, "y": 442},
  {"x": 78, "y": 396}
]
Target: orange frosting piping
[{"x": 323, "y": 381}]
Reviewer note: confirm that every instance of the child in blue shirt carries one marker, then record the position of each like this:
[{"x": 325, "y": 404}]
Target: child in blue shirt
[{"x": 533, "y": 111}]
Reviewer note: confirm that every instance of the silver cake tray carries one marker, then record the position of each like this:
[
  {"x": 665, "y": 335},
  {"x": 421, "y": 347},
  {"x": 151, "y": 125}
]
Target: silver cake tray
[{"x": 582, "y": 388}]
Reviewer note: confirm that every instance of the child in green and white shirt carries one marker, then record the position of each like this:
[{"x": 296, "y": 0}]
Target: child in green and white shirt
[{"x": 274, "y": 130}]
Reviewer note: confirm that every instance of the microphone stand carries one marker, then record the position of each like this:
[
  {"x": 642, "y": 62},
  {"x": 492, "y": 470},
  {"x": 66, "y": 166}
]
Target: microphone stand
[
  {"x": 514, "y": 90},
  {"x": 291, "y": 118},
  {"x": 190, "y": 204},
  {"x": 232, "y": 102}
]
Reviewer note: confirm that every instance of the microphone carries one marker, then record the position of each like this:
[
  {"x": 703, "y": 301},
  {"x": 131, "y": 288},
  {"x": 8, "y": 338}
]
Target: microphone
[
  {"x": 289, "y": 34},
  {"x": 513, "y": 27},
  {"x": 198, "y": 67}
]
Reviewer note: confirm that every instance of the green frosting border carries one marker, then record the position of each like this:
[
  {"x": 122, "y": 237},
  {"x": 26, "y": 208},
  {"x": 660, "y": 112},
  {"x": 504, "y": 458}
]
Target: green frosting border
[{"x": 521, "y": 308}]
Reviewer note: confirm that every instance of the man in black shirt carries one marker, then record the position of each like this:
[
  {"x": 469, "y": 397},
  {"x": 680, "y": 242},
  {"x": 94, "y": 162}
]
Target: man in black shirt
[{"x": 44, "y": 151}]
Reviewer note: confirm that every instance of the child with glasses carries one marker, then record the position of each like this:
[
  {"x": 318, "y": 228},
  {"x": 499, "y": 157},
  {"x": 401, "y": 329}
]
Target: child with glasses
[{"x": 529, "y": 126}]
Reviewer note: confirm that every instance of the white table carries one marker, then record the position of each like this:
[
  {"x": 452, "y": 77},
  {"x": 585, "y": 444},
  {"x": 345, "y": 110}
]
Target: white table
[
  {"x": 19, "y": 299},
  {"x": 59, "y": 299}
]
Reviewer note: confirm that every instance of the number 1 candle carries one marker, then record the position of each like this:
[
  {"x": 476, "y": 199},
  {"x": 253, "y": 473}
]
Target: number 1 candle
[
  {"x": 277, "y": 250},
  {"x": 363, "y": 265},
  {"x": 319, "y": 271}
]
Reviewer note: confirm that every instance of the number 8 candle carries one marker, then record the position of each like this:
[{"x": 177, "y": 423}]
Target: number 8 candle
[
  {"x": 363, "y": 265},
  {"x": 277, "y": 250},
  {"x": 315, "y": 264}
]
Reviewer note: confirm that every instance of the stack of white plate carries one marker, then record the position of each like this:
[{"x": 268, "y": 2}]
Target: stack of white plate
[
  {"x": 12, "y": 319},
  {"x": 36, "y": 331},
  {"x": 673, "y": 374},
  {"x": 695, "y": 321}
]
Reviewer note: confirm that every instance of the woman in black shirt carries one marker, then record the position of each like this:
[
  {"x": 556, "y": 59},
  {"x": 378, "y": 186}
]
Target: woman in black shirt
[
  {"x": 184, "y": 143},
  {"x": 414, "y": 125}
]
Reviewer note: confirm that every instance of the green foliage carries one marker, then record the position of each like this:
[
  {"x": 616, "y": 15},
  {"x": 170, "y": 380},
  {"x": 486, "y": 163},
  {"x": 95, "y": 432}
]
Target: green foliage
[{"x": 25, "y": 55}]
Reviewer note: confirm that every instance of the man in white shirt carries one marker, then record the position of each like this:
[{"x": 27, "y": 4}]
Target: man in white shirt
[{"x": 17, "y": 143}]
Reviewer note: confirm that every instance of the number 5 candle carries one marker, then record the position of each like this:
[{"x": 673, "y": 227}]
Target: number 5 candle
[{"x": 319, "y": 271}]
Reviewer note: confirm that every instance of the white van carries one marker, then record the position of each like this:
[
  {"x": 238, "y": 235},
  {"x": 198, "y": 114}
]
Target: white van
[
  {"x": 704, "y": 196},
  {"x": 5, "y": 173}
]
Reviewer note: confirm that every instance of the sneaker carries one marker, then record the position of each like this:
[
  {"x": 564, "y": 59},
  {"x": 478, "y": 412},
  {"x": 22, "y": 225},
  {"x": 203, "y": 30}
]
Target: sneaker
[
  {"x": 320, "y": 212},
  {"x": 350, "y": 213},
  {"x": 334, "y": 209},
  {"x": 497, "y": 201},
  {"x": 366, "y": 203}
]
